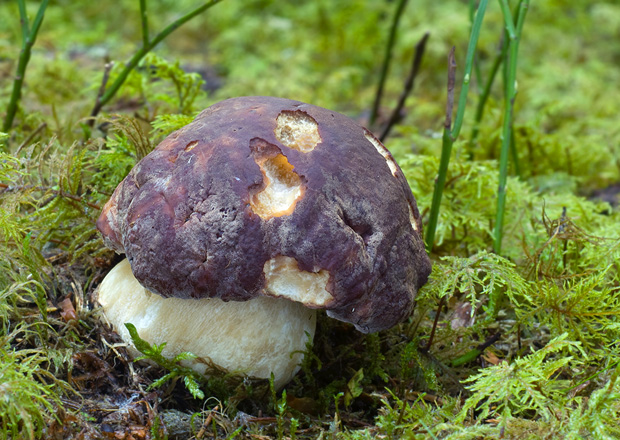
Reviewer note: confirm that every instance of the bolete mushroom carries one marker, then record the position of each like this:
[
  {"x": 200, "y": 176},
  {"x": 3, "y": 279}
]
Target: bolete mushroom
[{"x": 240, "y": 225}]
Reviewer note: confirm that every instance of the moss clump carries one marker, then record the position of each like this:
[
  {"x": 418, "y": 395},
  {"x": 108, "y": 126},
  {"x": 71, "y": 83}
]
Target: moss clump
[{"x": 517, "y": 345}]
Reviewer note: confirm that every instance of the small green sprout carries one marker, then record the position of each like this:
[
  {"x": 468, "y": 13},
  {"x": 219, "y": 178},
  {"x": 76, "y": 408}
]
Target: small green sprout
[{"x": 153, "y": 352}]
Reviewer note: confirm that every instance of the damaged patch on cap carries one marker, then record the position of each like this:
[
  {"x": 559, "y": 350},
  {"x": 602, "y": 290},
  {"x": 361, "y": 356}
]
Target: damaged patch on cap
[
  {"x": 283, "y": 278},
  {"x": 281, "y": 187},
  {"x": 383, "y": 152},
  {"x": 297, "y": 130},
  {"x": 412, "y": 219}
]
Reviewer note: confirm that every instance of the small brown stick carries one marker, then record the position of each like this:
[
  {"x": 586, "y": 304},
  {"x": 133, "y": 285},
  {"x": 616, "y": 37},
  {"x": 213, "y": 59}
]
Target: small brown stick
[
  {"x": 386, "y": 62},
  {"x": 78, "y": 199},
  {"x": 490, "y": 341},
  {"x": 31, "y": 137},
  {"x": 104, "y": 82},
  {"x": 442, "y": 301},
  {"x": 56, "y": 193},
  {"x": 207, "y": 422},
  {"x": 413, "y": 73}
]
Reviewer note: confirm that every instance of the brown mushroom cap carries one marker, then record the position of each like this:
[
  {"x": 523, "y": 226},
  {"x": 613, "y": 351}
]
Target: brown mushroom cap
[{"x": 258, "y": 193}]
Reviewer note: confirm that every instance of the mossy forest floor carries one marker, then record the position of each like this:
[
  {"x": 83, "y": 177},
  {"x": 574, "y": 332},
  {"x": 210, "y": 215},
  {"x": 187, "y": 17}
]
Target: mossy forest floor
[{"x": 520, "y": 344}]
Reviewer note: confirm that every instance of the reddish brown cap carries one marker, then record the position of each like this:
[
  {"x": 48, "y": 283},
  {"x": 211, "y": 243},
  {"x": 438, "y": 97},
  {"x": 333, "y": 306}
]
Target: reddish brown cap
[{"x": 256, "y": 184}]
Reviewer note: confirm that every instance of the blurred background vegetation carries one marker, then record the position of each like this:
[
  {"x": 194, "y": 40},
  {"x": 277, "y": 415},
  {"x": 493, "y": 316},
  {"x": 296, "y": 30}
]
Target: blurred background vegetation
[
  {"x": 544, "y": 314},
  {"x": 330, "y": 55}
]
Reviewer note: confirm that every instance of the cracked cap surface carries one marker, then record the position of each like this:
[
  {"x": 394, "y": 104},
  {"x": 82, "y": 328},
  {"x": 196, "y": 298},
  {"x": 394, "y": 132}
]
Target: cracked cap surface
[{"x": 268, "y": 196}]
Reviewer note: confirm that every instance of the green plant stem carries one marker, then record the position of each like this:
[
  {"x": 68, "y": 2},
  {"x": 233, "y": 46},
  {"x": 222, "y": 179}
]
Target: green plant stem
[
  {"x": 147, "y": 46},
  {"x": 446, "y": 149},
  {"x": 386, "y": 61},
  {"x": 514, "y": 35},
  {"x": 450, "y": 135},
  {"x": 469, "y": 62},
  {"x": 145, "y": 23},
  {"x": 514, "y": 156},
  {"x": 23, "y": 18},
  {"x": 486, "y": 91},
  {"x": 472, "y": 15},
  {"x": 29, "y": 36},
  {"x": 514, "y": 153}
]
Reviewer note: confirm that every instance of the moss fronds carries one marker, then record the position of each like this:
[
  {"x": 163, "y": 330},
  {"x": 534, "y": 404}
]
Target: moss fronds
[{"x": 28, "y": 394}]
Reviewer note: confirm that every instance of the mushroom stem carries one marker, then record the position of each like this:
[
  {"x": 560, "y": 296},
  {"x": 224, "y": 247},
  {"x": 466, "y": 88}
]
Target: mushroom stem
[{"x": 253, "y": 338}]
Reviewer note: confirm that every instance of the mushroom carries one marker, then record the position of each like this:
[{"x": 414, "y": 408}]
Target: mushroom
[{"x": 240, "y": 225}]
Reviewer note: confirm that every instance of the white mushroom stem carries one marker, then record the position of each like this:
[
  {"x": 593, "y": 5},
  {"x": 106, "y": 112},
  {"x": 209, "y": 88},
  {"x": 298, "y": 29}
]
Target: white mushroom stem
[{"x": 253, "y": 338}]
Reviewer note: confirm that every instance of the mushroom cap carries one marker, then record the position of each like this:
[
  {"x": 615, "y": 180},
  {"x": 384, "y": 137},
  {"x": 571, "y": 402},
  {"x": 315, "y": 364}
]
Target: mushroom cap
[{"x": 269, "y": 196}]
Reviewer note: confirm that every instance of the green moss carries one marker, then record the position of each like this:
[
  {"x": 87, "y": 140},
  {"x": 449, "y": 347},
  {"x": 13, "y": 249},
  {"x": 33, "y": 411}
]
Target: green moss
[
  {"x": 550, "y": 299},
  {"x": 27, "y": 403}
]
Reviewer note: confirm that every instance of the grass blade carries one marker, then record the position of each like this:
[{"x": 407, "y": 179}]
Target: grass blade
[
  {"x": 514, "y": 35},
  {"x": 450, "y": 135},
  {"x": 29, "y": 36}
]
